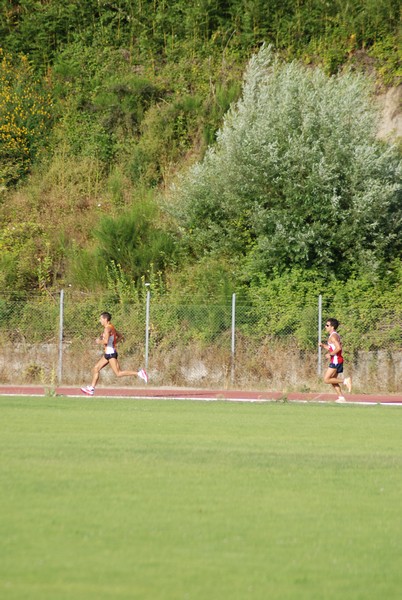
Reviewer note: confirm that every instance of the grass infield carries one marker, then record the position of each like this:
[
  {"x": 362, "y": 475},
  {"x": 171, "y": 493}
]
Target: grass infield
[{"x": 171, "y": 500}]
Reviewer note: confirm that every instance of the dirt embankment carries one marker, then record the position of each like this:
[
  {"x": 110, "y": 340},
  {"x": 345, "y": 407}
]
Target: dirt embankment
[{"x": 391, "y": 108}]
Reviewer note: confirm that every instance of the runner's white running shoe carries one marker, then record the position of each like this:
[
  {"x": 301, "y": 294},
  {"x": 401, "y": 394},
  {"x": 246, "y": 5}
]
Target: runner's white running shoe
[
  {"x": 348, "y": 383},
  {"x": 142, "y": 374},
  {"x": 340, "y": 400},
  {"x": 88, "y": 390}
]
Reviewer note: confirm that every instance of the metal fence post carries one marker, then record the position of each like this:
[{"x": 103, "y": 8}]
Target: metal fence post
[
  {"x": 61, "y": 334},
  {"x": 319, "y": 333},
  {"x": 232, "y": 374},
  {"x": 148, "y": 298}
]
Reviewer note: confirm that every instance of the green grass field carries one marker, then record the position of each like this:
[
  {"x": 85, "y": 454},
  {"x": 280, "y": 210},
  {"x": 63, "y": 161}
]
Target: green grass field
[{"x": 170, "y": 500}]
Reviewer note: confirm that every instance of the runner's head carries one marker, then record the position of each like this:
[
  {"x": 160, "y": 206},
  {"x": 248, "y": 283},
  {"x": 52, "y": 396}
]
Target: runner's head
[
  {"x": 332, "y": 323},
  {"x": 106, "y": 316}
]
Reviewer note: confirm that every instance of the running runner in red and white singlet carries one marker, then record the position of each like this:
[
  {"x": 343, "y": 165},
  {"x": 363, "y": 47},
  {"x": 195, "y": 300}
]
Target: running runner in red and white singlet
[
  {"x": 111, "y": 336},
  {"x": 335, "y": 357},
  {"x": 334, "y": 343},
  {"x": 109, "y": 339}
]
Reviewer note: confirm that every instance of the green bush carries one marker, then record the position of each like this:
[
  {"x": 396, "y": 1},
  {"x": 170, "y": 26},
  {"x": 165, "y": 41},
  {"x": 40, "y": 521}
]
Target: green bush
[
  {"x": 24, "y": 257},
  {"x": 297, "y": 177},
  {"x": 388, "y": 55},
  {"x": 368, "y": 308},
  {"x": 210, "y": 280},
  {"x": 25, "y": 117},
  {"x": 133, "y": 241},
  {"x": 130, "y": 246}
]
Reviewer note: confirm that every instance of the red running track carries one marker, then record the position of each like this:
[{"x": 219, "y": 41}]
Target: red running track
[{"x": 197, "y": 394}]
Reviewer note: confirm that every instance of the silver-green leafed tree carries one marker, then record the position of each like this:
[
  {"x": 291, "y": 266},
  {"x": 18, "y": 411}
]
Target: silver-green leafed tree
[{"x": 297, "y": 177}]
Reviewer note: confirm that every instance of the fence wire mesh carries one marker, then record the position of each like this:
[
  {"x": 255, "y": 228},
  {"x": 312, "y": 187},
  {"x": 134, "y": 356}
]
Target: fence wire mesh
[{"x": 49, "y": 340}]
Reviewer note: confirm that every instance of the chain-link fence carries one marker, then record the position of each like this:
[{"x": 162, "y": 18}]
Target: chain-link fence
[{"x": 50, "y": 341}]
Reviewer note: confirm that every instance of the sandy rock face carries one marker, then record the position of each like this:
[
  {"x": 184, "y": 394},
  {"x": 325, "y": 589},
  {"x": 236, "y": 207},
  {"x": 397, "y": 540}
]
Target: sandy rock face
[{"x": 391, "y": 108}]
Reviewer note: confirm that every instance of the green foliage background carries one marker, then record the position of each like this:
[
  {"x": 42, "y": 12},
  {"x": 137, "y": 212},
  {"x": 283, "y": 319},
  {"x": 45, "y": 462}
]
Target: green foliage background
[{"x": 126, "y": 95}]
